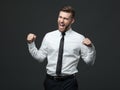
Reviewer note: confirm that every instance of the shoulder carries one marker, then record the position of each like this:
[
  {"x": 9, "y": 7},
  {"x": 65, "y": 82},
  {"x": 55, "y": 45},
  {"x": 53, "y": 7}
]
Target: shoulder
[
  {"x": 77, "y": 35},
  {"x": 51, "y": 34}
]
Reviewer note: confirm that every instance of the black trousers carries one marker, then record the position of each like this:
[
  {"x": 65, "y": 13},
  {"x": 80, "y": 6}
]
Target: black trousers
[{"x": 65, "y": 84}]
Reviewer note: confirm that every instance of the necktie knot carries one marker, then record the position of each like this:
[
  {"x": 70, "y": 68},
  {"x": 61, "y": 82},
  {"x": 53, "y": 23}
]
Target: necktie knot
[{"x": 63, "y": 33}]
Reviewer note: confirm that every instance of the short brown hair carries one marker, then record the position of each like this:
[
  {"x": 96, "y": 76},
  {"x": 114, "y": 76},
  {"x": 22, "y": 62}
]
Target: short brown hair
[{"x": 68, "y": 9}]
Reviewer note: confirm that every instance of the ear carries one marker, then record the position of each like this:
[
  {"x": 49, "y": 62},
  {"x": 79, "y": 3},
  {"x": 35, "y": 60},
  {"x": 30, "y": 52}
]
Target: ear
[{"x": 73, "y": 20}]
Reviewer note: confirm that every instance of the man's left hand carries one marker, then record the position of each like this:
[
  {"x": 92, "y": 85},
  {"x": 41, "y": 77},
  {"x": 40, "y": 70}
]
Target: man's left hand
[{"x": 87, "y": 42}]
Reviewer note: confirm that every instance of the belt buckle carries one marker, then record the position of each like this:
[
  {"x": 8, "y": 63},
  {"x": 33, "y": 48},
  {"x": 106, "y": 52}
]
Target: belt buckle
[{"x": 56, "y": 77}]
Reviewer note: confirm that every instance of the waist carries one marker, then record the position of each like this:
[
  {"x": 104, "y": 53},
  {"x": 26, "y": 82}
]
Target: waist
[{"x": 60, "y": 78}]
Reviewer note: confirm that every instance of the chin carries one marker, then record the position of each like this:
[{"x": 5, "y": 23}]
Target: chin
[{"x": 61, "y": 30}]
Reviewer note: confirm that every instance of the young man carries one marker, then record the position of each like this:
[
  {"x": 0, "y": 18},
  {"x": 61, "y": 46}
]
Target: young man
[{"x": 63, "y": 49}]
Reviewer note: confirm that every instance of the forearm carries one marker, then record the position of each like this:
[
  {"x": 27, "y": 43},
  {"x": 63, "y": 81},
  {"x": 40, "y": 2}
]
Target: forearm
[
  {"x": 89, "y": 55},
  {"x": 37, "y": 54}
]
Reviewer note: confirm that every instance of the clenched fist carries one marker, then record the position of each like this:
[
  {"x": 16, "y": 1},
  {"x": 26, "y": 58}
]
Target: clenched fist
[
  {"x": 31, "y": 37},
  {"x": 87, "y": 42}
]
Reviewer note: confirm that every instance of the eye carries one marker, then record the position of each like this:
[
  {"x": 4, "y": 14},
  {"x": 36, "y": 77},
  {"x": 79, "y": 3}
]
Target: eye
[
  {"x": 60, "y": 16},
  {"x": 66, "y": 18}
]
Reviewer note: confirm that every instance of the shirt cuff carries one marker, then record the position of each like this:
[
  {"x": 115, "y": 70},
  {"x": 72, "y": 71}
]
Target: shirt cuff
[
  {"x": 31, "y": 45},
  {"x": 91, "y": 48}
]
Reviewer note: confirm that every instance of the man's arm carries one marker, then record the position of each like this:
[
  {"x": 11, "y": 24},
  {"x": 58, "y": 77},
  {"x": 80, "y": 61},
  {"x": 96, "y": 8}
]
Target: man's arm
[
  {"x": 88, "y": 52},
  {"x": 40, "y": 54}
]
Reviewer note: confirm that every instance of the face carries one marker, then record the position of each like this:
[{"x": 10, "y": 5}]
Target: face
[{"x": 64, "y": 21}]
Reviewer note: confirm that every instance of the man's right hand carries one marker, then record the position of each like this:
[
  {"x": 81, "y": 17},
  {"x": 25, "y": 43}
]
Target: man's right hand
[{"x": 31, "y": 37}]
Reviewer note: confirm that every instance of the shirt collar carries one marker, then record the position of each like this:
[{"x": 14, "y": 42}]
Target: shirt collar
[{"x": 67, "y": 32}]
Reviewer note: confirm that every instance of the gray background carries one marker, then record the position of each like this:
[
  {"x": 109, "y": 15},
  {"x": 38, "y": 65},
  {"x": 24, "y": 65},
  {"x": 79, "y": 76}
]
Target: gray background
[{"x": 96, "y": 19}]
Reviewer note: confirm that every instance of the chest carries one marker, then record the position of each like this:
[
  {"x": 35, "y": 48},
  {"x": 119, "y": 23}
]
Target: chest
[{"x": 71, "y": 44}]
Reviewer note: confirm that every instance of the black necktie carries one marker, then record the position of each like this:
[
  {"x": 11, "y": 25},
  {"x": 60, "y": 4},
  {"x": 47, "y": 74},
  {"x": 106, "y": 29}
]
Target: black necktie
[{"x": 60, "y": 55}]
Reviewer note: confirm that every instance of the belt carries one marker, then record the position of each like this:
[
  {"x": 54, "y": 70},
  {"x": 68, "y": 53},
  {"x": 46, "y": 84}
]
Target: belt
[{"x": 60, "y": 78}]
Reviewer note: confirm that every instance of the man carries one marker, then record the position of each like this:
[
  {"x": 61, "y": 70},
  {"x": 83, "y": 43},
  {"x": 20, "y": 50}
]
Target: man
[{"x": 66, "y": 44}]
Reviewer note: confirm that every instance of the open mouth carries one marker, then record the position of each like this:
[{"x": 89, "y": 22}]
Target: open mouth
[{"x": 62, "y": 25}]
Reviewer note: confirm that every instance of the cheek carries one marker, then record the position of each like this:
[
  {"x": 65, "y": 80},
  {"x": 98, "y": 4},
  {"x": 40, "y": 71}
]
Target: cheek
[
  {"x": 58, "y": 20},
  {"x": 67, "y": 23}
]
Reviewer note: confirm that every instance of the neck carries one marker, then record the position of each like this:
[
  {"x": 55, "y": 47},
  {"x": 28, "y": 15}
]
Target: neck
[{"x": 65, "y": 30}]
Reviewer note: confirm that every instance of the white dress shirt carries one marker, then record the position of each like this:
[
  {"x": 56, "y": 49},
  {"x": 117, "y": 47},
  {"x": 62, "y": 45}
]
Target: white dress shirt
[{"x": 73, "y": 50}]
